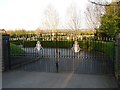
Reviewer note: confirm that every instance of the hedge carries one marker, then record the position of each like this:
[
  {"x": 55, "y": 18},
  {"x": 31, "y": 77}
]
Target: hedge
[
  {"x": 29, "y": 43},
  {"x": 54, "y": 44},
  {"x": 106, "y": 47},
  {"x": 49, "y": 44},
  {"x": 17, "y": 42}
]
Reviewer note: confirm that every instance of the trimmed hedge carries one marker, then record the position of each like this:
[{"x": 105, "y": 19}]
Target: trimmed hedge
[
  {"x": 49, "y": 44},
  {"x": 17, "y": 42},
  {"x": 106, "y": 47},
  {"x": 54, "y": 44},
  {"x": 29, "y": 43}
]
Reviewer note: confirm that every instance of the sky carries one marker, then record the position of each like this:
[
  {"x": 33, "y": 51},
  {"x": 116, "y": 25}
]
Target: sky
[{"x": 28, "y": 14}]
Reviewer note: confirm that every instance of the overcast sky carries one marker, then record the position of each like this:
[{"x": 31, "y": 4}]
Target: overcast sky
[{"x": 28, "y": 14}]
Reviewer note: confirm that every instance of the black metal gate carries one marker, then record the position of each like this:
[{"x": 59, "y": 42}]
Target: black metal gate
[{"x": 61, "y": 54}]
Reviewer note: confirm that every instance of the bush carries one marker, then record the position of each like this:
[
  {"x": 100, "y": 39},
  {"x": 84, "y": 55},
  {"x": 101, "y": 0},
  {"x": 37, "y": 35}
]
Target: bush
[{"x": 15, "y": 50}]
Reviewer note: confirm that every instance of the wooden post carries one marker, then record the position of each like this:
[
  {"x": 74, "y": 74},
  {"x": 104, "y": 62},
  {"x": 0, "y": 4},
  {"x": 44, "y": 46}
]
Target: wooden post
[{"x": 117, "y": 62}]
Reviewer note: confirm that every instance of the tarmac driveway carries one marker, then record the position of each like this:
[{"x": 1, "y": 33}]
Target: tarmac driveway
[{"x": 22, "y": 79}]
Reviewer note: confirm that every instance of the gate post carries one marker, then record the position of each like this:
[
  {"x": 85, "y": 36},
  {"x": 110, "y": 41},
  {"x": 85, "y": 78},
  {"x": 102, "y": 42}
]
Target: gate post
[
  {"x": 1, "y": 61},
  {"x": 117, "y": 62},
  {"x": 5, "y": 52},
  {"x": 0, "y": 52}
]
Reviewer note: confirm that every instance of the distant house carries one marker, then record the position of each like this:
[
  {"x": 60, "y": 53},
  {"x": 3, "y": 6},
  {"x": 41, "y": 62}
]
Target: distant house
[{"x": 3, "y": 31}]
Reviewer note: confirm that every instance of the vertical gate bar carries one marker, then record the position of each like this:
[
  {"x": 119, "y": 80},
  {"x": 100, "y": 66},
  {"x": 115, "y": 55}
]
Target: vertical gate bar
[
  {"x": 98, "y": 56},
  {"x": 47, "y": 63},
  {"x": 68, "y": 48},
  {"x": 68, "y": 44},
  {"x": 114, "y": 54},
  {"x": 90, "y": 53},
  {"x": 64, "y": 49},
  {"x": 86, "y": 60},
  {"x": 92, "y": 58},
  {"x": 94, "y": 51},
  {"x": 51, "y": 45},
  {"x": 103, "y": 57},
  {"x": 113, "y": 58},
  {"x": 40, "y": 66},
  {"x": 103, "y": 47},
  {"x": 111, "y": 63},
  {"x": 51, "y": 63},
  {"x": 107, "y": 55}
]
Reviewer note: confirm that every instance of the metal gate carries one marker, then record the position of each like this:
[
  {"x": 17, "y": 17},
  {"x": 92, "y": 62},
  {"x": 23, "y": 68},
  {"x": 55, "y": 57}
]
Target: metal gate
[{"x": 63, "y": 53}]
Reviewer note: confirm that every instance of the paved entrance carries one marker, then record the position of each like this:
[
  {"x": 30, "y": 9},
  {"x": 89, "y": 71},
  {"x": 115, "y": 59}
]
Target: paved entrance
[{"x": 22, "y": 79}]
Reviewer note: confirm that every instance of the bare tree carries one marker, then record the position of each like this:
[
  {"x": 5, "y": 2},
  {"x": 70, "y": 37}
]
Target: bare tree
[
  {"x": 51, "y": 18},
  {"x": 74, "y": 22},
  {"x": 93, "y": 14},
  {"x": 94, "y": 11},
  {"x": 100, "y": 2}
]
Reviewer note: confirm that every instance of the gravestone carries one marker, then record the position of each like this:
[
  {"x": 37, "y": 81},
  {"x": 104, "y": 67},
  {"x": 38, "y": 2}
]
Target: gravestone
[{"x": 117, "y": 62}]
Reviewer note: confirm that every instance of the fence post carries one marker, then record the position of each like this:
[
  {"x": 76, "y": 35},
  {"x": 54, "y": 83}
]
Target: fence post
[
  {"x": 117, "y": 62},
  {"x": 5, "y": 52}
]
